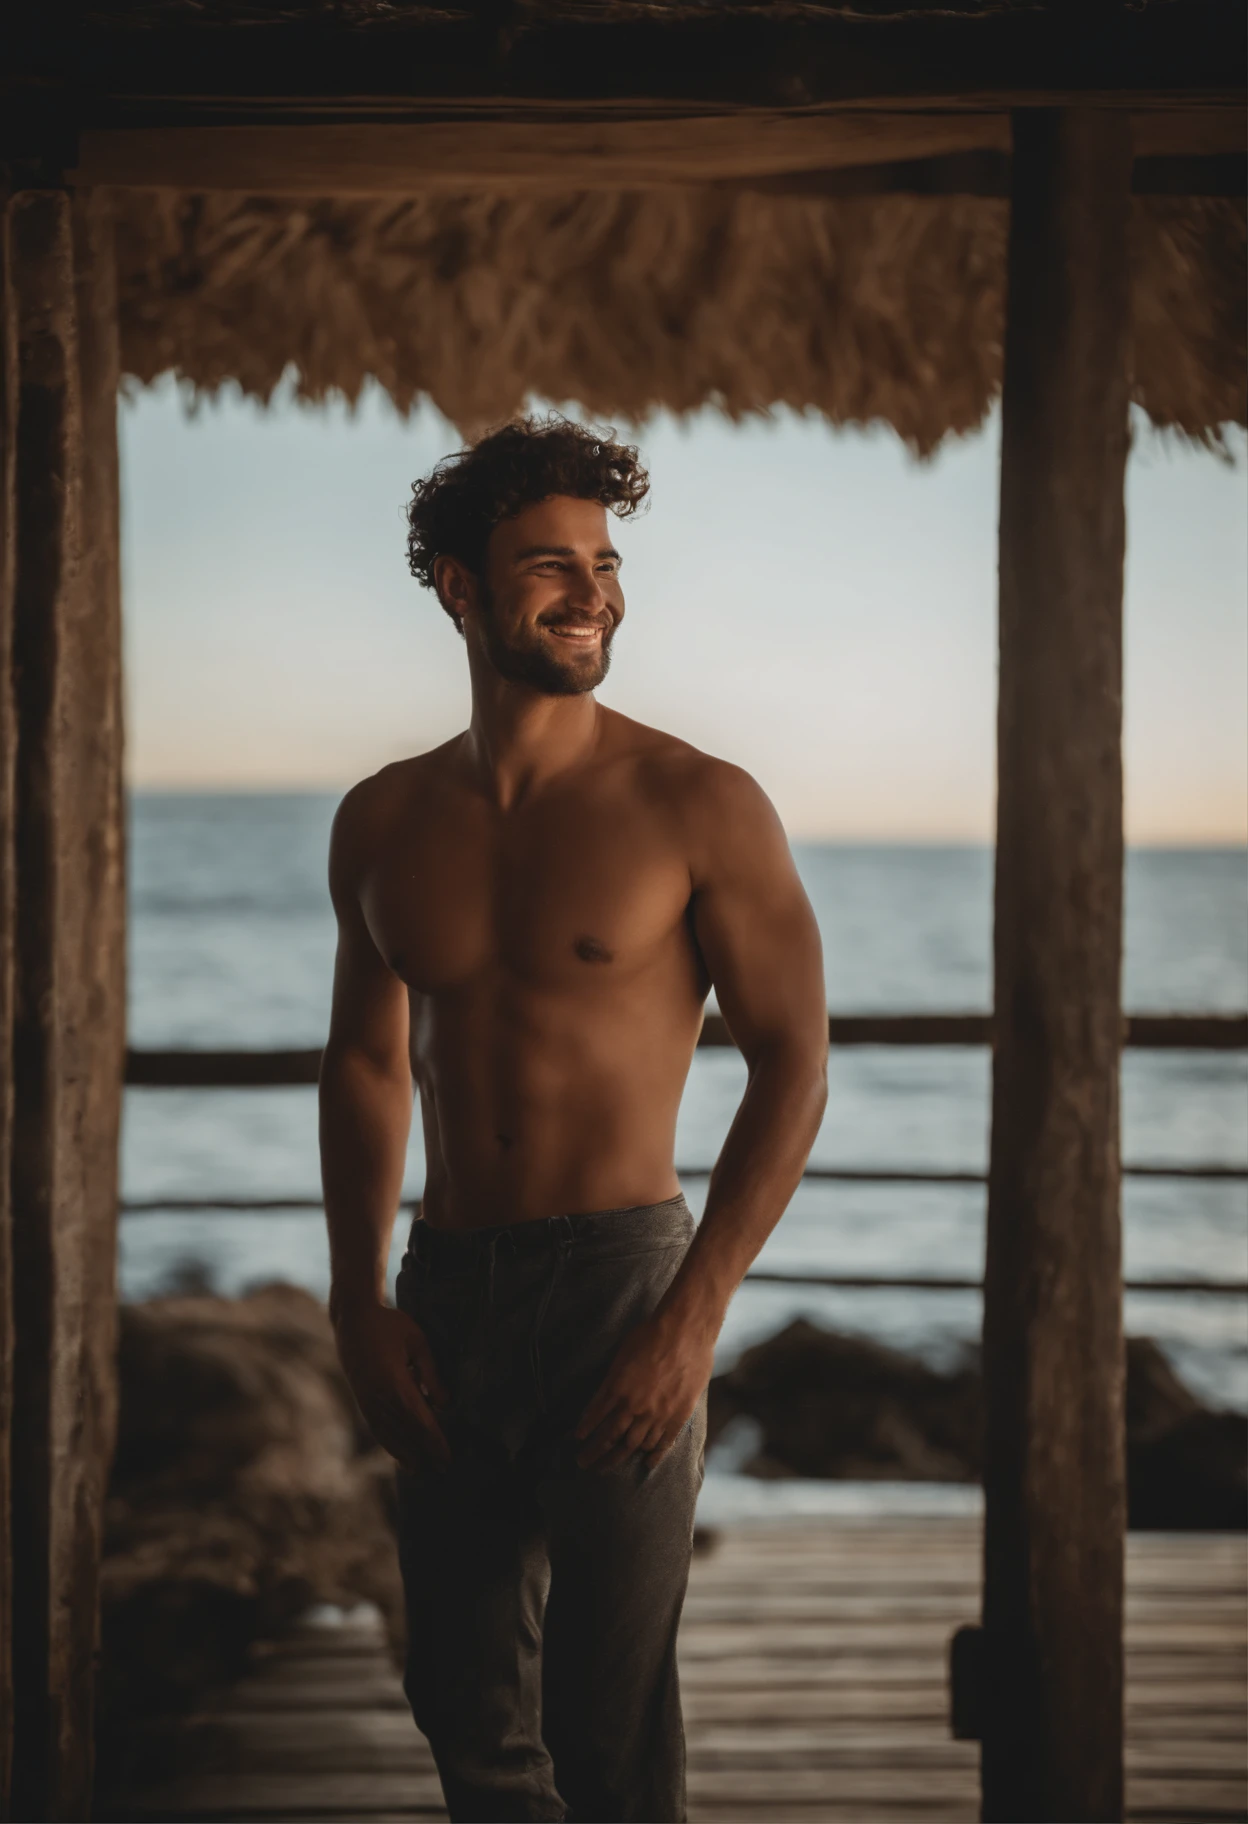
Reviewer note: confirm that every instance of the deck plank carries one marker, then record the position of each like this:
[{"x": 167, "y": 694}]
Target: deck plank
[{"x": 813, "y": 1666}]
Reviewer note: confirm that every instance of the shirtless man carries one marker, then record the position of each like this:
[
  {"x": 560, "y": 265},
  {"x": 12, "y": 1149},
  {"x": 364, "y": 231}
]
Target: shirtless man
[{"x": 530, "y": 918}]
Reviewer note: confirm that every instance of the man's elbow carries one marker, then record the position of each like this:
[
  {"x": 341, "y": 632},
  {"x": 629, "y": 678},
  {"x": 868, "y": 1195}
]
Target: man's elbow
[
  {"x": 346, "y": 1063},
  {"x": 806, "y": 1083},
  {"x": 800, "y": 1058}
]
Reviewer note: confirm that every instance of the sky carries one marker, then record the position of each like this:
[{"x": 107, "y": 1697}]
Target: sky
[{"x": 812, "y": 604}]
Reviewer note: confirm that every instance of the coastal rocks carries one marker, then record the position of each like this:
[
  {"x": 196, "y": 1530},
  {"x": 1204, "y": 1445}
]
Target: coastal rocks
[
  {"x": 244, "y": 1489},
  {"x": 842, "y": 1407},
  {"x": 846, "y": 1408},
  {"x": 1187, "y": 1464}
]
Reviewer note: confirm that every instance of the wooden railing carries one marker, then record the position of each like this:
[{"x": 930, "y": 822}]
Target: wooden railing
[
  {"x": 283, "y": 1069},
  {"x": 1151, "y": 1031}
]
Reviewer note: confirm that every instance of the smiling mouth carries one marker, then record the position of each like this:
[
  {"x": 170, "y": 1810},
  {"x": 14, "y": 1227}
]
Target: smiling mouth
[{"x": 571, "y": 631}]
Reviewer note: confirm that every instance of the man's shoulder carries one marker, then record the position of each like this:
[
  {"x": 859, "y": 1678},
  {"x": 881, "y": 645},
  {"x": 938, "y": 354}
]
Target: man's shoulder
[
  {"x": 394, "y": 787},
  {"x": 686, "y": 776},
  {"x": 370, "y": 808}
]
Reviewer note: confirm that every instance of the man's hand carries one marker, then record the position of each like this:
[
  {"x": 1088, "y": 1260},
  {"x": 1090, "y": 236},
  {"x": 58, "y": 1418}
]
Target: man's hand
[
  {"x": 658, "y": 1376},
  {"x": 387, "y": 1360}
]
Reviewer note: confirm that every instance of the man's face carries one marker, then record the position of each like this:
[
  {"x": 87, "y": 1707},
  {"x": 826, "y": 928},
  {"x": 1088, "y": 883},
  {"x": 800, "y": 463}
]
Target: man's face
[{"x": 550, "y": 599}]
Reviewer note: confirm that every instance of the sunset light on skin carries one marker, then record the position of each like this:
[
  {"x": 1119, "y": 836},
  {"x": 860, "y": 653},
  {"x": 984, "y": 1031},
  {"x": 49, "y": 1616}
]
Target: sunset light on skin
[{"x": 816, "y": 606}]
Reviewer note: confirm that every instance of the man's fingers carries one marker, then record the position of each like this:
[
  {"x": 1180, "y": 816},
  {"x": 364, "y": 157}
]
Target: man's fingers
[
  {"x": 590, "y": 1452},
  {"x": 410, "y": 1400},
  {"x": 635, "y": 1437},
  {"x": 605, "y": 1436},
  {"x": 657, "y": 1453},
  {"x": 627, "y": 1445},
  {"x": 604, "y": 1403},
  {"x": 614, "y": 1440},
  {"x": 612, "y": 1460},
  {"x": 420, "y": 1355},
  {"x": 397, "y": 1442},
  {"x": 435, "y": 1443},
  {"x": 406, "y": 1416}
]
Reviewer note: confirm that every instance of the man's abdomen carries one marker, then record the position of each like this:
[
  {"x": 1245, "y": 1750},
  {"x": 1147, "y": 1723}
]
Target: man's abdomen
[{"x": 538, "y": 1105}]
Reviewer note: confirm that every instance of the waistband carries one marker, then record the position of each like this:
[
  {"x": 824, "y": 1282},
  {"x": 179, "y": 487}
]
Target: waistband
[{"x": 644, "y": 1226}]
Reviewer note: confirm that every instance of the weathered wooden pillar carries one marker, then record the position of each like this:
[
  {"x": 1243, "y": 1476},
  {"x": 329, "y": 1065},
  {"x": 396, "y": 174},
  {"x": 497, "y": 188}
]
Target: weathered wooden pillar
[
  {"x": 68, "y": 1009},
  {"x": 1053, "y": 1348},
  {"x": 8, "y": 752}
]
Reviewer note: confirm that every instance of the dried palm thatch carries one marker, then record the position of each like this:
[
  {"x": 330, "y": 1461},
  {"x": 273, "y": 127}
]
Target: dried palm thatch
[{"x": 885, "y": 309}]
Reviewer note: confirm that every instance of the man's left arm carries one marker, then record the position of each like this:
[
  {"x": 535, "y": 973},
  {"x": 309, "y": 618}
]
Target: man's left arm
[{"x": 760, "y": 942}]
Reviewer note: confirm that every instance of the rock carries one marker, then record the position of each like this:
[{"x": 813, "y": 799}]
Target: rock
[
  {"x": 1156, "y": 1398},
  {"x": 851, "y": 1409},
  {"x": 1187, "y": 1466},
  {"x": 245, "y": 1488},
  {"x": 847, "y": 1408}
]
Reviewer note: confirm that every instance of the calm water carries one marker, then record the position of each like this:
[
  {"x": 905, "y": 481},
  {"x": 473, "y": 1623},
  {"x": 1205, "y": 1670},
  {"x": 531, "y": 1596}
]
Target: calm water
[{"x": 232, "y": 942}]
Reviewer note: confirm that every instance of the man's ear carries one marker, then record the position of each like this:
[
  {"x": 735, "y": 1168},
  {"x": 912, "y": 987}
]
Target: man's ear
[{"x": 456, "y": 586}]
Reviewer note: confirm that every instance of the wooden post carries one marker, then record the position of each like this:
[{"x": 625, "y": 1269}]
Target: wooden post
[
  {"x": 8, "y": 908},
  {"x": 91, "y": 976},
  {"x": 1054, "y": 1480},
  {"x": 68, "y": 1024}
]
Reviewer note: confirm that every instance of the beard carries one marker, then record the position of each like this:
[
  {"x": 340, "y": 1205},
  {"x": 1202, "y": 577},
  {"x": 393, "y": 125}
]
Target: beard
[{"x": 533, "y": 663}]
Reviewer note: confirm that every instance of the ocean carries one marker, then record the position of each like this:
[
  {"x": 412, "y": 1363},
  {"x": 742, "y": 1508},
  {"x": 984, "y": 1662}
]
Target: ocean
[{"x": 231, "y": 944}]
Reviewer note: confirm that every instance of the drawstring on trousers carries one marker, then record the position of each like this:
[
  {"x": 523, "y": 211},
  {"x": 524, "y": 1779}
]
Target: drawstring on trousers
[{"x": 499, "y": 1236}]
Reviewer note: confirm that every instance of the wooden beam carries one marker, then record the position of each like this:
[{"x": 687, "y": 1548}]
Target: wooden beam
[
  {"x": 183, "y": 1069},
  {"x": 68, "y": 1030},
  {"x": 1053, "y": 1348},
  {"x": 932, "y": 151},
  {"x": 722, "y": 55},
  {"x": 41, "y": 272},
  {"x": 8, "y": 914},
  {"x": 91, "y": 968},
  {"x": 343, "y": 159}
]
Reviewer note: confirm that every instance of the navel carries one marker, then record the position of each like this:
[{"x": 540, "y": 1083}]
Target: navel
[{"x": 591, "y": 951}]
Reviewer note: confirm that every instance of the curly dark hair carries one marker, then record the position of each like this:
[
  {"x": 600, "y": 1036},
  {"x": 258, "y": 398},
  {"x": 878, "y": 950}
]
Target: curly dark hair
[{"x": 453, "y": 511}]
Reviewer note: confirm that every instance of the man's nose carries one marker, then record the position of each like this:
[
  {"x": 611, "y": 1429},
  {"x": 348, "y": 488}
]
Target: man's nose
[{"x": 585, "y": 593}]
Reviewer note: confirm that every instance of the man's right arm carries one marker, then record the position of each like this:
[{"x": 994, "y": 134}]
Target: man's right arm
[{"x": 365, "y": 1113}]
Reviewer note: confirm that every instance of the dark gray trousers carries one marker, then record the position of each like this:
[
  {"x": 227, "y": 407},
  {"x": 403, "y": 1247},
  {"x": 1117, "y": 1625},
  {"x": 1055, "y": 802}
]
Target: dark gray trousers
[{"x": 542, "y": 1599}]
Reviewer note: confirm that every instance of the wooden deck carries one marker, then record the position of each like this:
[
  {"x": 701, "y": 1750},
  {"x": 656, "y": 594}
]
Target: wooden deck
[{"x": 813, "y": 1668}]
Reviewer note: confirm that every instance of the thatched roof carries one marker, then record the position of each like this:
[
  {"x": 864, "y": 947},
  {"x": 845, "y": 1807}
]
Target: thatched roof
[
  {"x": 865, "y": 309},
  {"x": 629, "y": 204}
]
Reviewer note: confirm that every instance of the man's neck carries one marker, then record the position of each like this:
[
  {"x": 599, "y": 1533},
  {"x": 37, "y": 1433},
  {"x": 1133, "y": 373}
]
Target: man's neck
[{"x": 519, "y": 739}]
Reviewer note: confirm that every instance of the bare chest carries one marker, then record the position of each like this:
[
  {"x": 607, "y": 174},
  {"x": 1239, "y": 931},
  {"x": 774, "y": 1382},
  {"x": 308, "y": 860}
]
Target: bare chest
[{"x": 585, "y": 896}]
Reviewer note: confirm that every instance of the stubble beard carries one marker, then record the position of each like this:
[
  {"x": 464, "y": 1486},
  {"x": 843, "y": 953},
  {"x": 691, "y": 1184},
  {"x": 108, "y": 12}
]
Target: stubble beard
[{"x": 538, "y": 667}]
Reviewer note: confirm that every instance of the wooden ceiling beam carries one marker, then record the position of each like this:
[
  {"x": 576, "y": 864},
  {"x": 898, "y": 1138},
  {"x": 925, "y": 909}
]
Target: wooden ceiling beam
[
  {"x": 360, "y": 158},
  {"x": 852, "y": 153},
  {"x": 306, "y": 106},
  {"x": 721, "y": 56}
]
